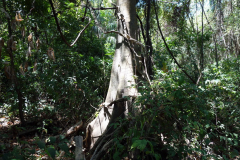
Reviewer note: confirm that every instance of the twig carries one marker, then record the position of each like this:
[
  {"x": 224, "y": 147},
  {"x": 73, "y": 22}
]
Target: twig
[
  {"x": 101, "y": 8},
  {"x": 31, "y": 9},
  {"x": 126, "y": 36}
]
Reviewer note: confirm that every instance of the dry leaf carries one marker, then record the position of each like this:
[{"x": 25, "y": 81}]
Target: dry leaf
[
  {"x": 38, "y": 44},
  {"x": 50, "y": 53},
  {"x": 30, "y": 37},
  {"x": 18, "y": 17}
]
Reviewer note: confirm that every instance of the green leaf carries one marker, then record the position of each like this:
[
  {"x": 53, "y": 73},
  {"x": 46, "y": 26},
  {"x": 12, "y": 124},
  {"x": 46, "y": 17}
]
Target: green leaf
[
  {"x": 116, "y": 156},
  {"x": 151, "y": 146},
  {"x": 207, "y": 141},
  {"x": 157, "y": 156},
  {"x": 31, "y": 151},
  {"x": 64, "y": 147},
  {"x": 139, "y": 144},
  {"x": 234, "y": 153},
  {"x": 51, "y": 152},
  {"x": 52, "y": 140},
  {"x": 41, "y": 144},
  {"x": 70, "y": 5},
  {"x": 61, "y": 137}
]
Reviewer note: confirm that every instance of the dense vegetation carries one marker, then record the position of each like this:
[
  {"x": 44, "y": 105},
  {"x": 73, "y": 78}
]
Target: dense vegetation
[{"x": 189, "y": 109}]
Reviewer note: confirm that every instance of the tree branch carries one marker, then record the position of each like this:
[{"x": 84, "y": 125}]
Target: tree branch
[
  {"x": 144, "y": 38},
  {"x": 85, "y": 12},
  {"x": 101, "y": 8},
  {"x": 95, "y": 17},
  {"x": 59, "y": 29},
  {"x": 127, "y": 37}
]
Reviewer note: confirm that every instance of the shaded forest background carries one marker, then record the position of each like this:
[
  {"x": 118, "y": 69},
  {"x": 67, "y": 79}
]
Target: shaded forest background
[{"x": 190, "y": 108}]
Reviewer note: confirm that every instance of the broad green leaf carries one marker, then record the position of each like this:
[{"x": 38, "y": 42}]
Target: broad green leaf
[
  {"x": 139, "y": 144},
  {"x": 41, "y": 144},
  {"x": 64, "y": 147},
  {"x": 51, "y": 152},
  {"x": 234, "y": 153},
  {"x": 116, "y": 156},
  {"x": 52, "y": 140}
]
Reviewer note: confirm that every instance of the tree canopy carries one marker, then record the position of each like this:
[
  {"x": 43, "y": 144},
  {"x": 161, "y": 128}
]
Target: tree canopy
[{"x": 139, "y": 79}]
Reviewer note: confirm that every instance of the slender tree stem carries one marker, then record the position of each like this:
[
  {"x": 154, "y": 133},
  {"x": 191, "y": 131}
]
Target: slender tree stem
[{"x": 14, "y": 77}]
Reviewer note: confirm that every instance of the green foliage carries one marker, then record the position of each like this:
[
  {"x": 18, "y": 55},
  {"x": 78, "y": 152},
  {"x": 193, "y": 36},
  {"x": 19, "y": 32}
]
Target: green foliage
[
  {"x": 62, "y": 88},
  {"x": 72, "y": 79},
  {"x": 179, "y": 119}
]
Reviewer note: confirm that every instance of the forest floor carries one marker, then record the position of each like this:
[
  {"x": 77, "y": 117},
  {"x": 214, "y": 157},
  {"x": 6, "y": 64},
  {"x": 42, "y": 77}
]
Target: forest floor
[{"x": 32, "y": 141}]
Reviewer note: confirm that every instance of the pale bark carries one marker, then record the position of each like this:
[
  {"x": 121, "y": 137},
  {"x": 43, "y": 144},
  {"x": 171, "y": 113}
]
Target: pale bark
[
  {"x": 122, "y": 69},
  {"x": 122, "y": 80}
]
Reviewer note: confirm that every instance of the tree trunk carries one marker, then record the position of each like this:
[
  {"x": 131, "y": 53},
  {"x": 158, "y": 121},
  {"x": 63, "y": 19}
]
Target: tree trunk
[
  {"x": 122, "y": 82},
  {"x": 14, "y": 77}
]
